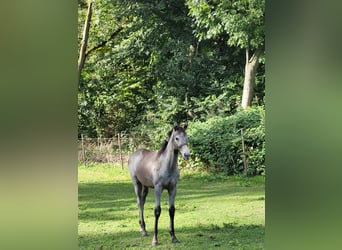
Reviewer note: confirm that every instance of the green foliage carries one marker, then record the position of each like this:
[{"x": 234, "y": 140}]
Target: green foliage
[
  {"x": 217, "y": 142},
  {"x": 145, "y": 68},
  {"x": 150, "y": 63},
  {"x": 242, "y": 20}
]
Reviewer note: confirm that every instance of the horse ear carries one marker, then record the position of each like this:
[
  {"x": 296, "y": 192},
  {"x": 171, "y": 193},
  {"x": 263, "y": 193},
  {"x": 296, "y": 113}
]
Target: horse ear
[
  {"x": 185, "y": 126},
  {"x": 175, "y": 126}
]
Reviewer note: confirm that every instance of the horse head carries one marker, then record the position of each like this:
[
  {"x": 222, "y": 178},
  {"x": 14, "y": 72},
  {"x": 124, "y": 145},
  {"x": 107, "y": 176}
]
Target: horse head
[{"x": 180, "y": 140}]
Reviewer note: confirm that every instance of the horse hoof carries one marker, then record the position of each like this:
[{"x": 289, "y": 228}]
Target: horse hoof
[
  {"x": 175, "y": 240},
  {"x": 154, "y": 243},
  {"x": 143, "y": 233}
]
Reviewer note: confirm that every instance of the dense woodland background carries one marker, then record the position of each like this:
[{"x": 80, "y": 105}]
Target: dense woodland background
[{"x": 146, "y": 63}]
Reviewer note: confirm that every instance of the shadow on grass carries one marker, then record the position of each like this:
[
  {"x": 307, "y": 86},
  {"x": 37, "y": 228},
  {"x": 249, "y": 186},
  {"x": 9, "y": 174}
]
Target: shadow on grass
[
  {"x": 228, "y": 236},
  {"x": 114, "y": 204},
  {"x": 109, "y": 201},
  {"x": 105, "y": 201},
  {"x": 193, "y": 190}
]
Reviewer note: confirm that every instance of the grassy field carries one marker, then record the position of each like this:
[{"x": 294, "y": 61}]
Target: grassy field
[{"x": 212, "y": 212}]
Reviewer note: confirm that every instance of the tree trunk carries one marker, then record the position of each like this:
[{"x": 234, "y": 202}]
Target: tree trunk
[
  {"x": 250, "y": 71},
  {"x": 84, "y": 42}
]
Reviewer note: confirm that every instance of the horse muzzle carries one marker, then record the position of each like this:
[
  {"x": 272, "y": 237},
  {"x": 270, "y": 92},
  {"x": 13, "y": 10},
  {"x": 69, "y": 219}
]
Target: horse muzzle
[{"x": 184, "y": 150}]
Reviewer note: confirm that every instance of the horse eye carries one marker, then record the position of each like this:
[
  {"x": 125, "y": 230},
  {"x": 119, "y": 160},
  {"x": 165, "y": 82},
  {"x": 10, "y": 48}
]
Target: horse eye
[{"x": 177, "y": 138}]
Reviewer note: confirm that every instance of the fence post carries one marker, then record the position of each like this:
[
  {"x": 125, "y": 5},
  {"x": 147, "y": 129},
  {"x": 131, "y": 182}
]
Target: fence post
[
  {"x": 83, "y": 151},
  {"x": 119, "y": 142},
  {"x": 244, "y": 153}
]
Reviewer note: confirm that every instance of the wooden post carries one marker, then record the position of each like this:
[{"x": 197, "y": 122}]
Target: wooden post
[
  {"x": 244, "y": 153},
  {"x": 119, "y": 142},
  {"x": 83, "y": 151}
]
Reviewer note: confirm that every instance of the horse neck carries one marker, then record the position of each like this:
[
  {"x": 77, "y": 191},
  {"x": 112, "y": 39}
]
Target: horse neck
[{"x": 170, "y": 154}]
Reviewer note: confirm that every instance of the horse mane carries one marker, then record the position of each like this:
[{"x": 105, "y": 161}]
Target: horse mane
[{"x": 164, "y": 145}]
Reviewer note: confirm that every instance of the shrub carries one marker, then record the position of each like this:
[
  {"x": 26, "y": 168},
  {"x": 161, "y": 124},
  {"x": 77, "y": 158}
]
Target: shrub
[{"x": 217, "y": 142}]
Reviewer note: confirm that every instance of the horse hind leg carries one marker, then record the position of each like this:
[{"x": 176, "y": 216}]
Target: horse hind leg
[
  {"x": 144, "y": 193},
  {"x": 141, "y": 193}
]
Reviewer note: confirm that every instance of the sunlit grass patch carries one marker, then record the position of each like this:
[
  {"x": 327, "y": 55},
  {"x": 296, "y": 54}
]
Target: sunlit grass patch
[{"x": 212, "y": 212}]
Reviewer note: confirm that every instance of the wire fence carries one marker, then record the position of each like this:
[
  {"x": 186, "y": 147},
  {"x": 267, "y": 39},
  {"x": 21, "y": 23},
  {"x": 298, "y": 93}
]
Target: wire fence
[{"x": 115, "y": 150}]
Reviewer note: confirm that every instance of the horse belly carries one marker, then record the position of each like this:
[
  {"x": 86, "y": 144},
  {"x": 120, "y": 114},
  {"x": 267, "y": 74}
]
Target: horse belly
[
  {"x": 144, "y": 176},
  {"x": 139, "y": 167}
]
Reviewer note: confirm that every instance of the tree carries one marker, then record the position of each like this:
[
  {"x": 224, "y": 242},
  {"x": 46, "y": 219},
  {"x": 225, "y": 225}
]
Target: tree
[
  {"x": 243, "y": 22},
  {"x": 145, "y": 68},
  {"x": 107, "y": 103},
  {"x": 82, "y": 54}
]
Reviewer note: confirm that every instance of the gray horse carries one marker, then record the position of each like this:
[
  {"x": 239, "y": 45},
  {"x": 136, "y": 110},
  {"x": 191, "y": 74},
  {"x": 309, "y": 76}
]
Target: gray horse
[{"x": 158, "y": 170}]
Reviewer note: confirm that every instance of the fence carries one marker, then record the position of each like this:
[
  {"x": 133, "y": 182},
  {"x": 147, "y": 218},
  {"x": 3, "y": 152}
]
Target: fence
[{"x": 114, "y": 150}]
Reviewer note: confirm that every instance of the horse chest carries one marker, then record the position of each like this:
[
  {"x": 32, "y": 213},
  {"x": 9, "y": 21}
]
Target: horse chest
[{"x": 166, "y": 177}]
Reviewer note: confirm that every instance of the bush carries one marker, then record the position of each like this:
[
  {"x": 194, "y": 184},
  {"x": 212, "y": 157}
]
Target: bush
[{"x": 217, "y": 142}]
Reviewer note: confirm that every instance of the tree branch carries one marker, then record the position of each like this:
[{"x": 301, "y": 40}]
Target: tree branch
[
  {"x": 255, "y": 55},
  {"x": 247, "y": 55},
  {"x": 103, "y": 43}
]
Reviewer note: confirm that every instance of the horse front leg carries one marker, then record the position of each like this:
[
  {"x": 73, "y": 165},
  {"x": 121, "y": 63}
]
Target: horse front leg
[
  {"x": 172, "y": 195},
  {"x": 157, "y": 212}
]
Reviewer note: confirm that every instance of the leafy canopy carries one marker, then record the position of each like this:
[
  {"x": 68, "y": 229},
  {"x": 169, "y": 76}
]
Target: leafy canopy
[{"x": 242, "y": 20}]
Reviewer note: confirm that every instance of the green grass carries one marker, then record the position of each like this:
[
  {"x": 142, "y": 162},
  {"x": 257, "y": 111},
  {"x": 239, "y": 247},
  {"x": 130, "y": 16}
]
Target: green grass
[{"x": 212, "y": 212}]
